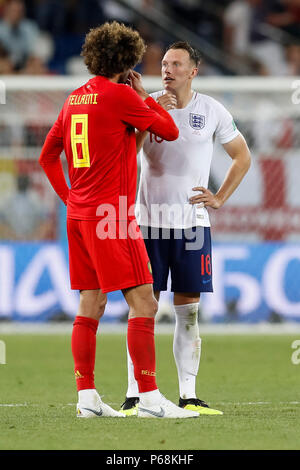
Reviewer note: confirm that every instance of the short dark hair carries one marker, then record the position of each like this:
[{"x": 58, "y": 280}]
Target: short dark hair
[
  {"x": 193, "y": 53},
  {"x": 112, "y": 48}
]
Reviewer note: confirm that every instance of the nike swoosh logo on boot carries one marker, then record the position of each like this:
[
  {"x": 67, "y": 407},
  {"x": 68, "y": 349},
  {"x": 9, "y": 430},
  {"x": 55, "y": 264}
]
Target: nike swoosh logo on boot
[
  {"x": 98, "y": 413},
  {"x": 158, "y": 414}
]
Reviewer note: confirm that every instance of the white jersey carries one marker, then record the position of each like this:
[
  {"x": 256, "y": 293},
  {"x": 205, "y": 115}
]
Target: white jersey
[{"x": 170, "y": 170}]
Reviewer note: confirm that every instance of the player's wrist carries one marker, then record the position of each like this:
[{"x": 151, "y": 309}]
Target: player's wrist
[
  {"x": 219, "y": 200},
  {"x": 144, "y": 95}
]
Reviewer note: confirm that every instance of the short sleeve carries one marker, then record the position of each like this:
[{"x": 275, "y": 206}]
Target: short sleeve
[
  {"x": 133, "y": 110},
  {"x": 226, "y": 129}
]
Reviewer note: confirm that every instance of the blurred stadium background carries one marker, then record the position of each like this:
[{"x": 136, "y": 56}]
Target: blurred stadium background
[{"x": 251, "y": 63}]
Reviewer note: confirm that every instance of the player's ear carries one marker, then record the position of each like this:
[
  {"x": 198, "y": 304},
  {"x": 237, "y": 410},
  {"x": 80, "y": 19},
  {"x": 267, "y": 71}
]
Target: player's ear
[{"x": 194, "y": 72}]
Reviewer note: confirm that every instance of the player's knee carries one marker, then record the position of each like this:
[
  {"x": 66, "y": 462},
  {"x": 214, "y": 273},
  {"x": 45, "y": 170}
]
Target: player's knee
[
  {"x": 151, "y": 308},
  {"x": 101, "y": 306},
  {"x": 92, "y": 304},
  {"x": 147, "y": 308},
  {"x": 154, "y": 307}
]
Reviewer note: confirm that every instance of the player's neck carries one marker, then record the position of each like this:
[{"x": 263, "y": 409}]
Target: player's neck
[
  {"x": 115, "y": 78},
  {"x": 118, "y": 78},
  {"x": 184, "y": 97}
]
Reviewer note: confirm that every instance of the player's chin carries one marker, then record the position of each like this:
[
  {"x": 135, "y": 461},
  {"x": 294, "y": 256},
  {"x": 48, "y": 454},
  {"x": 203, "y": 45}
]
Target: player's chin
[{"x": 169, "y": 86}]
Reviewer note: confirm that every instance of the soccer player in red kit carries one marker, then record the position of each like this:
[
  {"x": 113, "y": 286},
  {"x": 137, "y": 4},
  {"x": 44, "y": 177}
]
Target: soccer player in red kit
[{"x": 96, "y": 129}]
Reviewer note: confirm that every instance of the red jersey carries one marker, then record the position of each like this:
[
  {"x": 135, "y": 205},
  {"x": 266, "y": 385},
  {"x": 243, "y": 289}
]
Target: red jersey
[{"x": 96, "y": 129}]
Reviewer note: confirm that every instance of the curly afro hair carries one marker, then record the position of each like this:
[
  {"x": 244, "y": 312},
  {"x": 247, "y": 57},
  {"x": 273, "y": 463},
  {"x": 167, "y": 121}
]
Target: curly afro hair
[{"x": 112, "y": 48}]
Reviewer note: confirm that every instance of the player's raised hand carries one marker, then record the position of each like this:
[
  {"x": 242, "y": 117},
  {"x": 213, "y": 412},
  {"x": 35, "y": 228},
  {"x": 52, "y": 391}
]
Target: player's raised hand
[
  {"x": 167, "y": 101},
  {"x": 205, "y": 198},
  {"x": 135, "y": 80}
]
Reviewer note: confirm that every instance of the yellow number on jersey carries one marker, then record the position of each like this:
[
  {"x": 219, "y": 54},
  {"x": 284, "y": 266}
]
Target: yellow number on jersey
[{"x": 81, "y": 139}]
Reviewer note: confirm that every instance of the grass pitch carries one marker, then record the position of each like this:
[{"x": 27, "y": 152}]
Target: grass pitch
[{"x": 251, "y": 378}]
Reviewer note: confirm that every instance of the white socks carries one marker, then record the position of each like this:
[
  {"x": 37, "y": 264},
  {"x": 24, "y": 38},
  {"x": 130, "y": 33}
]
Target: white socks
[
  {"x": 187, "y": 348},
  {"x": 133, "y": 389},
  {"x": 89, "y": 395},
  {"x": 150, "y": 398}
]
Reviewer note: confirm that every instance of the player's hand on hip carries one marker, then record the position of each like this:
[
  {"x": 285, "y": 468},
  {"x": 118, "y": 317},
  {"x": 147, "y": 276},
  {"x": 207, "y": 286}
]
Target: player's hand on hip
[
  {"x": 167, "y": 101},
  {"x": 205, "y": 198},
  {"x": 135, "y": 79}
]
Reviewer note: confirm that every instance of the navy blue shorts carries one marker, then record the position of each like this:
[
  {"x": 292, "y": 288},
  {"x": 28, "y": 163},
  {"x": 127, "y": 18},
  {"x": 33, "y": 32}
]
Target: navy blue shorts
[{"x": 186, "y": 253}]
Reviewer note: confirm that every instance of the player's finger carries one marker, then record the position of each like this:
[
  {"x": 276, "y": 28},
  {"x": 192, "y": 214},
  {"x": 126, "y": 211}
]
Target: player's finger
[
  {"x": 195, "y": 201},
  {"x": 199, "y": 198},
  {"x": 171, "y": 96},
  {"x": 172, "y": 100},
  {"x": 136, "y": 74},
  {"x": 134, "y": 78},
  {"x": 168, "y": 99},
  {"x": 129, "y": 80}
]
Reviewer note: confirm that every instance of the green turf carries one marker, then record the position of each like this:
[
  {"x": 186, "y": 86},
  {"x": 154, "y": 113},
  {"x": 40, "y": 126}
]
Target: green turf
[{"x": 251, "y": 378}]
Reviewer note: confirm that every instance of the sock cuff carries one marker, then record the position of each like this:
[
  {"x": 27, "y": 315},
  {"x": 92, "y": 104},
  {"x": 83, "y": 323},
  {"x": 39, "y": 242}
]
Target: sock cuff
[
  {"x": 187, "y": 314},
  {"x": 186, "y": 307},
  {"x": 86, "y": 321},
  {"x": 141, "y": 323}
]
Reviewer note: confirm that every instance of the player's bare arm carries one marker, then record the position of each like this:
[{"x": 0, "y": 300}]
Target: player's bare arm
[{"x": 238, "y": 150}]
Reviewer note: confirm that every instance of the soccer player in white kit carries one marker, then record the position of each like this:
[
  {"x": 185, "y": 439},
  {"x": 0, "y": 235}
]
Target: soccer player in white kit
[{"x": 171, "y": 208}]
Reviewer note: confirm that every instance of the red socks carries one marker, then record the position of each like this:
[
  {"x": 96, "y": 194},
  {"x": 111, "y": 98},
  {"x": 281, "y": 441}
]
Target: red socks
[
  {"x": 141, "y": 346},
  {"x": 83, "y": 345}
]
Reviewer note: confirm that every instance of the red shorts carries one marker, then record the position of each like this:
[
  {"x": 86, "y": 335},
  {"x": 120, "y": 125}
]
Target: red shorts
[{"x": 107, "y": 263}]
